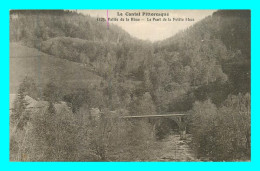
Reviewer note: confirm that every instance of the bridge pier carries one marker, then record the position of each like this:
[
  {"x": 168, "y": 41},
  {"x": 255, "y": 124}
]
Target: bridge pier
[
  {"x": 180, "y": 120},
  {"x": 183, "y": 134}
]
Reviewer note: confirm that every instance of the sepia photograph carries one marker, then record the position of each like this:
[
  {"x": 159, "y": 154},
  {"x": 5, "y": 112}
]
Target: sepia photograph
[{"x": 130, "y": 85}]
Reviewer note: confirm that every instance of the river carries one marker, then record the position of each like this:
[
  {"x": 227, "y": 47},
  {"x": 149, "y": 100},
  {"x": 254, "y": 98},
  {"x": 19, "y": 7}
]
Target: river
[{"x": 175, "y": 149}]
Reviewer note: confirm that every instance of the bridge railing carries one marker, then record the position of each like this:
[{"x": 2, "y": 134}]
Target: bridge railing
[{"x": 150, "y": 116}]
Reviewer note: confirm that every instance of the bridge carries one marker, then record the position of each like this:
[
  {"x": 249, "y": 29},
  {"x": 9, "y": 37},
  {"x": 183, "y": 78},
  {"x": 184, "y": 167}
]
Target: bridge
[
  {"x": 179, "y": 118},
  {"x": 151, "y": 116}
]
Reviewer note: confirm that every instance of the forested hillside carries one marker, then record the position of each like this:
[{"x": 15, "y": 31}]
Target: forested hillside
[
  {"x": 212, "y": 58},
  {"x": 203, "y": 70}
]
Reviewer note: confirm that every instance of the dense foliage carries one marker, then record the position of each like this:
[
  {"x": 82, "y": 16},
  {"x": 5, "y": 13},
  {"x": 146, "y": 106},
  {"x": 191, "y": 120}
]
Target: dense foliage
[{"x": 223, "y": 134}]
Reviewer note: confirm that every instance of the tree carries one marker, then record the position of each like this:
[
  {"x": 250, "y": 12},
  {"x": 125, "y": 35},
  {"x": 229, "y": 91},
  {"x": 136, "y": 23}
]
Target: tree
[
  {"x": 51, "y": 92},
  {"x": 222, "y": 134},
  {"x": 20, "y": 102},
  {"x": 19, "y": 119},
  {"x": 203, "y": 120},
  {"x": 142, "y": 105},
  {"x": 54, "y": 135},
  {"x": 234, "y": 129}
]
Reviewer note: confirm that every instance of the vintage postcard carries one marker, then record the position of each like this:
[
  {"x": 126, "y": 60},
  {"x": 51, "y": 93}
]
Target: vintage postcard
[{"x": 130, "y": 85}]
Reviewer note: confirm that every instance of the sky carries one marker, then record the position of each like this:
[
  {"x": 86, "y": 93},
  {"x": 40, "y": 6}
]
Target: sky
[{"x": 152, "y": 30}]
